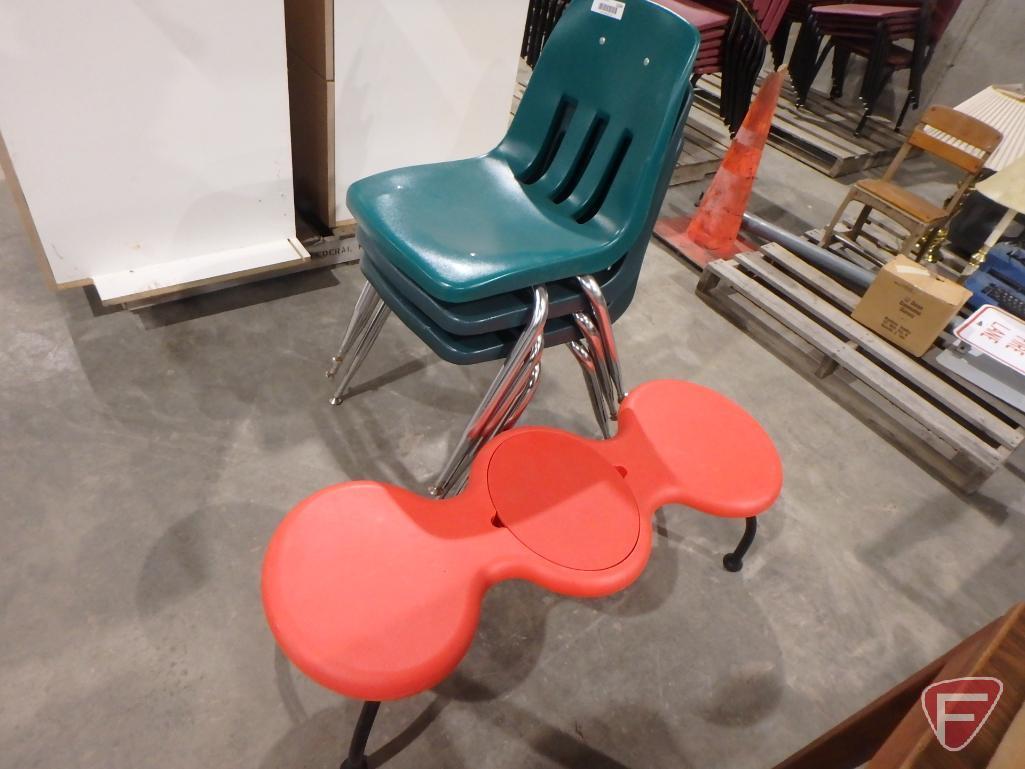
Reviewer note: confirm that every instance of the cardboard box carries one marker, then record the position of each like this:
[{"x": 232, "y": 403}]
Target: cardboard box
[{"x": 909, "y": 306}]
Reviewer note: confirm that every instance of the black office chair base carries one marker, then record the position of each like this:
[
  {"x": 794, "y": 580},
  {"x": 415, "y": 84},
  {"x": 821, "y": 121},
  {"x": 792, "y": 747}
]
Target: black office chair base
[{"x": 734, "y": 561}]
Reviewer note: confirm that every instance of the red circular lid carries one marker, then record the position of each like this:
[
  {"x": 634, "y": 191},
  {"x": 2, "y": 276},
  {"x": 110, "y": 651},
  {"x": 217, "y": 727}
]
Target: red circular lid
[{"x": 563, "y": 501}]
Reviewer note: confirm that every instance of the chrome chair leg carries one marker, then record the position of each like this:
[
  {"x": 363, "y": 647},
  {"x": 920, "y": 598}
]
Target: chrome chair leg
[
  {"x": 360, "y": 316},
  {"x": 361, "y": 348},
  {"x": 600, "y": 310},
  {"x": 504, "y": 410},
  {"x": 521, "y": 403},
  {"x": 500, "y": 411},
  {"x": 596, "y": 347},
  {"x": 512, "y": 415},
  {"x": 498, "y": 394},
  {"x": 587, "y": 367}
]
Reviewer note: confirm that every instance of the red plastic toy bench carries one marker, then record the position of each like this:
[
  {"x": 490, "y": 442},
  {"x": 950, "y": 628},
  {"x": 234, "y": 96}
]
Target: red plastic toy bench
[{"x": 375, "y": 592}]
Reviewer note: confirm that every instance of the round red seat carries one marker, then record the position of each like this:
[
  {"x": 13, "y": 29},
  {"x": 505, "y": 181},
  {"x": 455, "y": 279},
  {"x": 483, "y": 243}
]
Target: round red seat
[{"x": 564, "y": 501}]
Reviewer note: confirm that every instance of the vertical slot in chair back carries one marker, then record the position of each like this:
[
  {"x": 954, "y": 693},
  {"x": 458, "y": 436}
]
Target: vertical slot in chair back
[{"x": 600, "y": 111}]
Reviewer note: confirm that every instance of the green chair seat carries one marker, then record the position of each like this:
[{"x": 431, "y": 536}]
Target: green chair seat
[
  {"x": 504, "y": 311},
  {"x": 475, "y": 348},
  {"x": 467, "y": 229}
]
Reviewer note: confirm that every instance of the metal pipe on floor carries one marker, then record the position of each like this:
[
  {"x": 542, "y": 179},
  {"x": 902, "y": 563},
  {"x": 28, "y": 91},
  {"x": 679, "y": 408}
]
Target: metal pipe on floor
[{"x": 820, "y": 257}]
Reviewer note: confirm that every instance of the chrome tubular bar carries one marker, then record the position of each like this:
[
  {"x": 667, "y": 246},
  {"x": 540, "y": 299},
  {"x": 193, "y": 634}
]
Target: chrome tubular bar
[
  {"x": 601, "y": 315},
  {"x": 468, "y": 447},
  {"x": 500, "y": 396},
  {"x": 477, "y": 434},
  {"x": 515, "y": 393},
  {"x": 521, "y": 353},
  {"x": 361, "y": 348},
  {"x": 360, "y": 315},
  {"x": 596, "y": 348},
  {"x": 521, "y": 403},
  {"x": 593, "y": 387},
  {"x": 512, "y": 416}
]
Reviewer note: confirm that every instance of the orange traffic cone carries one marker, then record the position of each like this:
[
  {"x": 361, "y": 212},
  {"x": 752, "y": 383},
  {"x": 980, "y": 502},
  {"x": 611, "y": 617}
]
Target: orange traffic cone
[{"x": 712, "y": 233}]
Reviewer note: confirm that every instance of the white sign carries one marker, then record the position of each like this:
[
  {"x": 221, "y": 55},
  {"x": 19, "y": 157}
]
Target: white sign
[
  {"x": 997, "y": 333},
  {"x": 613, "y": 8}
]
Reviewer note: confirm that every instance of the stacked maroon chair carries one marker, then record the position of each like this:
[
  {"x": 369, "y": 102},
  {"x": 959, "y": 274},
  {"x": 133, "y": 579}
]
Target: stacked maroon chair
[
  {"x": 796, "y": 12},
  {"x": 712, "y": 23},
  {"x": 734, "y": 39},
  {"x": 865, "y": 27},
  {"x": 810, "y": 53},
  {"x": 755, "y": 24},
  {"x": 891, "y": 35}
]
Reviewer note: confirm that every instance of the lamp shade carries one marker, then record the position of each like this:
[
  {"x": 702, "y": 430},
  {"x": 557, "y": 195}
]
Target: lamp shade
[
  {"x": 1004, "y": 109},
  {"x": 1007, "y": 187}
]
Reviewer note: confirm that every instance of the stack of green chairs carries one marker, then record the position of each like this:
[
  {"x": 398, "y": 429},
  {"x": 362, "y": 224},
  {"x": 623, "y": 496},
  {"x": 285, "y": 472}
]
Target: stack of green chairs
[{"x": 540, "y": 241}]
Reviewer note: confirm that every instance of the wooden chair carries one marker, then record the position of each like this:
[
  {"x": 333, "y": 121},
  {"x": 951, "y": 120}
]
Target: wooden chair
[{"x": 954, "y": 138}]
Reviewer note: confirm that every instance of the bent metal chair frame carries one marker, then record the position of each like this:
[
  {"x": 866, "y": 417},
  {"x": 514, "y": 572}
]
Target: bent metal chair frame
[
  {"x": 513, "y": 388},
  {"x": 602, "y": 378}
]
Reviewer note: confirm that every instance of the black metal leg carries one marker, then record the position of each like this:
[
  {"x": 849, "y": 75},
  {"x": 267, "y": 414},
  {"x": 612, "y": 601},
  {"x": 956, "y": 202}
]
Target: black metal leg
[
  {"x": 903, "y": 111},
  {"x": 821, "y": 59},
  {"x": 735, "y": 561},
  {"x": 357, "y": 758},
  {"x": 863, "y": 121},
  {"x": 870, "y": 104},
  {"x": 779, "y": 41},
  {"x": 841, "y": 56},
  {"x": 804, "y": 59}
]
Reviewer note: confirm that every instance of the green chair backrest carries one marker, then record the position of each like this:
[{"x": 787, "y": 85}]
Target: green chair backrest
[{"x": 598, "y": 116}]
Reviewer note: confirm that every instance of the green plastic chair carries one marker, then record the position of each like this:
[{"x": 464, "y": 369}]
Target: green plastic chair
[
  {"x": 567, "y": 195},
  {"x": 570, "y": 185}
]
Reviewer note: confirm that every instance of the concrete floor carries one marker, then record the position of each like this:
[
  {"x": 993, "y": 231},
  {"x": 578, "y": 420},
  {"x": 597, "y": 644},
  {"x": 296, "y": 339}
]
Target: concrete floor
[{"x": 146, "y": 459}]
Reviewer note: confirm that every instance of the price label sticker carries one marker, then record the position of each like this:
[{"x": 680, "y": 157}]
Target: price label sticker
[{"x": 611, "y": 8}]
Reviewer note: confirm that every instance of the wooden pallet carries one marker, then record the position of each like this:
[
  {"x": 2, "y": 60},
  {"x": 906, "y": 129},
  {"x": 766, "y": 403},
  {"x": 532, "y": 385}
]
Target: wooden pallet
[
  {"x": 705, "y": 138},
  {"x": 879, "y": 244},
  {"x": 945, "y": 426},
  {"x": 821, "y": 134},
  {"x": 875, "y": 248}
]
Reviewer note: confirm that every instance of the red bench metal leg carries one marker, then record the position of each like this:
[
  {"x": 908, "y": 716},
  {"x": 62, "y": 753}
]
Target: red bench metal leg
[
  {"x": 735, "y": 561},
  {"x": 357, "y": 758}
]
